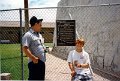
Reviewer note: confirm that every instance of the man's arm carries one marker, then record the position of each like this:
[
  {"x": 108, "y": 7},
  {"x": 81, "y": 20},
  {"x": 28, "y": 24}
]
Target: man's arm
[{"x": 30, "y": 55}]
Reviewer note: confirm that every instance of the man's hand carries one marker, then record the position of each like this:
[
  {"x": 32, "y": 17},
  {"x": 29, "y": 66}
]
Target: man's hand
[
  {"x": 35, "y": 60},
  {"x": 30, "y": 55}
]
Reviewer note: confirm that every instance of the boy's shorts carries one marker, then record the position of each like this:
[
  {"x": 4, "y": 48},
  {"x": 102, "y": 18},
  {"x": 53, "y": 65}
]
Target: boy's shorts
[{"x": 82, "y": 77}]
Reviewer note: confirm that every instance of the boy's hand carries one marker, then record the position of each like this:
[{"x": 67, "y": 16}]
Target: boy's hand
[
  {"x": 73, "y": 73},
  {"x": 75, "y": 62},
  {"x": 78, "y": 65}
]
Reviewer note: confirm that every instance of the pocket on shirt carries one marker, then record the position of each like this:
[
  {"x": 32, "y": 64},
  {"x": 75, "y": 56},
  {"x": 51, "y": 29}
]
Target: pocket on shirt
[{"x": 37, "y": 42}]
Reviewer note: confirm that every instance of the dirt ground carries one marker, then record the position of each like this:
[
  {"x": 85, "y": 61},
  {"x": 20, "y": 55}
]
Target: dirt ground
[{"x": 58, "y": 70}]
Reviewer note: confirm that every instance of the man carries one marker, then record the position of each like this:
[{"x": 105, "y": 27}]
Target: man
[
  {"x": 33, "y": 47},
  {"x": 79, "y": 63}
]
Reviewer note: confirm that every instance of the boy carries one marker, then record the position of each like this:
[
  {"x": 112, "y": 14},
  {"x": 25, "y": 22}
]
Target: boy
[{"x": 79, "y": 62}]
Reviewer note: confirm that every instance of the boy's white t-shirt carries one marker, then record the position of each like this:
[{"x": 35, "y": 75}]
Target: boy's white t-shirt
[{"x": 82, "y": 58}]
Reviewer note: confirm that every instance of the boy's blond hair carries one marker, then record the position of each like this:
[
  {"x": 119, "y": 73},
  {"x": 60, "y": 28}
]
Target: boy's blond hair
[{"x": 80, "y": 40}]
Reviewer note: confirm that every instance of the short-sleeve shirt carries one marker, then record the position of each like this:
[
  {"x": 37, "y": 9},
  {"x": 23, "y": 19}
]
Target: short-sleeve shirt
[
  {"x": 34, "y": 42},
  {"x": 82, "y": 58}
]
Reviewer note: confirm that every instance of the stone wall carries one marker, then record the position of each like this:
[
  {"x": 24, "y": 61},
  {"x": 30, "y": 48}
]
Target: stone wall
[{"x": 100, "y": 27}]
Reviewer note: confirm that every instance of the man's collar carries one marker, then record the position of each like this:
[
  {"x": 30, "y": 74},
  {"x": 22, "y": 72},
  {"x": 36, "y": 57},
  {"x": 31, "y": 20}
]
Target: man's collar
[{"x": 31, "y": 30}]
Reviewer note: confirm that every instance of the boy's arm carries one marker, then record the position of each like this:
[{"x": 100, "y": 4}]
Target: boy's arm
[
  {"x": 71, "y": 66},
  {"x": 73, "y": 73},
  {"x": 83, "y": 65}
]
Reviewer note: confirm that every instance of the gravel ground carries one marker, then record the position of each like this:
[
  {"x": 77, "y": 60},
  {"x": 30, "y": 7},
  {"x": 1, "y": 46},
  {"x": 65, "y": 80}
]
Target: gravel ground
[{"x": 58, "y": 70}]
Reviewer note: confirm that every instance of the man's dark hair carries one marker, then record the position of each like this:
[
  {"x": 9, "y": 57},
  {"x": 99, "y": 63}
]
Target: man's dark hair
[{"x": 34, "y": 20}]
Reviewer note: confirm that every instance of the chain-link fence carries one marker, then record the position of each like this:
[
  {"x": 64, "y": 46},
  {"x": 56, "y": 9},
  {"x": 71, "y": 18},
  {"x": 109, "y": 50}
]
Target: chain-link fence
[
  {"x": 12, "y": 28},
  {"x": 10, "y": 43},
  {"x": 99, "y": 25}
]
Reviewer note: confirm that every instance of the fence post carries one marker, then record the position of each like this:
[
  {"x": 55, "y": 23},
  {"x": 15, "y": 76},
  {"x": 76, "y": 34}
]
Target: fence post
[{"x": 22, "y": 66}]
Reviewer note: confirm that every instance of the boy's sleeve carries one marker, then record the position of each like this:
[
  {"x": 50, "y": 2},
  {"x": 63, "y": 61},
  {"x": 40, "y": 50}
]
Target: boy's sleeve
[
  {"x": 87, "y": 58},
  {"x": 69, "y": 59}
]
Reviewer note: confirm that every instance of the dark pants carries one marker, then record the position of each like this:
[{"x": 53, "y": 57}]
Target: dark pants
[{"x": 36, "y": 71}]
